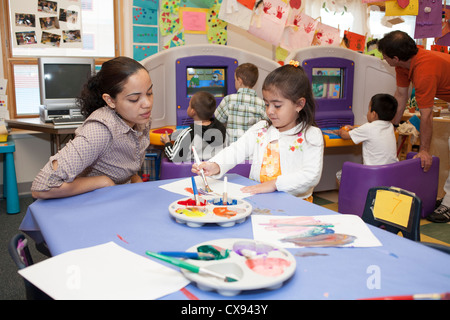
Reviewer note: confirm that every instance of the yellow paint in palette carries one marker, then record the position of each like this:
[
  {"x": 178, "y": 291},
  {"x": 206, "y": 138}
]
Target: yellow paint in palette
[{"x": 191, "y": 212}]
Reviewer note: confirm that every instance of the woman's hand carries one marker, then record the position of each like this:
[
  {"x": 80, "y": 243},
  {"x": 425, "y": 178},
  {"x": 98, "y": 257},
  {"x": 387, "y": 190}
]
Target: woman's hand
[{"x": 78, "y": 186}]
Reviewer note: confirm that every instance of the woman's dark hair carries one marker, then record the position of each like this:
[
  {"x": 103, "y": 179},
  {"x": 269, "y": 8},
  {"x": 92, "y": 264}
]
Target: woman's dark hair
[
  {"x": 110, "y": 79},
  {"x": 293, "y": 84},
  {"x": 398, "y": 44}
]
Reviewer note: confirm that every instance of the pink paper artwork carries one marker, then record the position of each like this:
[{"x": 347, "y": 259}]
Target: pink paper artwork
[
  {"x": 268, "y": 21},
  {"x": 299, "y": 32},
  {"x": 326, "y": 36}
]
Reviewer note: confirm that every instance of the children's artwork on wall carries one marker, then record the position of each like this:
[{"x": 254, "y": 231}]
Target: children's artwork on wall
[
  {"x": 146, "y": 4},
  {"x": 145, "y": 29},
  {"x": 171, "y": 6},
  {"x": 217, "y": 28},
  {"x": 145, "y": 16},
  {"x": 429, "y": 18},
  {"x": 206, "y": 4},
  {"x": 193, "y": 20},
  {"x": 145, "y": 34},
  {"x": 240, "y": 17},
  {"x": 140, "y": 52},
  {"x": 326, "y": 35},
  {"x": 299, "y": 32},
  {"x": 250, "y": 4},
  {"x": 176, "y": 41},
  {"x": 340, "y": 230},
  {"x": 354, "y": 41},
  {"x": 169, "y": 23},
  {"x": 47, "y": 23},
  {"x": 443, "y": 49},
  {"x": 399, "y": 8},
  {"x": 269, "y": 23},
  {"x": 444, "y": 40}
]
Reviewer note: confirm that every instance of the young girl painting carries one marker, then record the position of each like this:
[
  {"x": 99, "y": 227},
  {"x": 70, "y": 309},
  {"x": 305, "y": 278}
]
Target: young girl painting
[
  {"x": 109, "y": 148},
  {"x": 287, "y": 150}
]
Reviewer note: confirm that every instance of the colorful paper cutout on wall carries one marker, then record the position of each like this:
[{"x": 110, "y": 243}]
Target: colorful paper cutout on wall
[
  {"x": 171, "y": 6},
  {"x": 145, "y": 34},
  {"x": 240, "y": 17},
  {"x": 217, "y": 28},
  {"x": 354, "y": 41},
  {"x": 140, "y": 52},
  {"x": 326, "y": 35},
  {"x": 168, "y": 23},
  {"x": 147, "y": 4},
  {"x": 176, "y": 41},
  {"x": 394, "y": 9},
  {"x": 300, "y": 31},
  {"x": 145, "y": 16},
  {"x": 250, "y": 4},
  {"x": 206, "y": 4},
  {"x": 443, "y": 49},
  {"x": 429, "y": 20},
  {"x": 268, "y": 21},
  {"x": 193, "y": 20}
]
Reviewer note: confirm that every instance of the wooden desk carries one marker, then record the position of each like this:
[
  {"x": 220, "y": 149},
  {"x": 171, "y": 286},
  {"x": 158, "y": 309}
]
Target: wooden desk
[{"x": 35, "y": 124}]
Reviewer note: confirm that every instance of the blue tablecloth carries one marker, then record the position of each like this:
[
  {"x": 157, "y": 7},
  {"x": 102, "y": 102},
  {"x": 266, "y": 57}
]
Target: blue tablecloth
[{"x": 136, "y": 217}]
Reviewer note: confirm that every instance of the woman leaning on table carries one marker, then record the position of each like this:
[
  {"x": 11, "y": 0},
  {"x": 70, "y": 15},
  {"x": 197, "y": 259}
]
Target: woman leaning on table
[{"x": 109, "y": 148}]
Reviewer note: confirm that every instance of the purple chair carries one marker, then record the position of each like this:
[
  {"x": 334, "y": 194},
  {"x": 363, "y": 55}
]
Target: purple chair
[
  {"x": 171, "y": 170},
  {"x": 357, "y": 179}
]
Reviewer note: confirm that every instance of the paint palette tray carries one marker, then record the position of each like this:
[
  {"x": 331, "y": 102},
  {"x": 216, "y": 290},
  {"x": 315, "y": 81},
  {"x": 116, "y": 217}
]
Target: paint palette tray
[
  {"x": 254, "y": 264},
  {"x": 210, "y": 211}
]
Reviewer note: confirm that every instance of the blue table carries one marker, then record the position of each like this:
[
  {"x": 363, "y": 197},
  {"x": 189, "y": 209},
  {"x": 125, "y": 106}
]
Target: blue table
[{"x": 138, "y": 214}]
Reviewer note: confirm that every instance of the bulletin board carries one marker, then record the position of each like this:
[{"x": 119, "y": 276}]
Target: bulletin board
[{"x": 62, "y": 27}]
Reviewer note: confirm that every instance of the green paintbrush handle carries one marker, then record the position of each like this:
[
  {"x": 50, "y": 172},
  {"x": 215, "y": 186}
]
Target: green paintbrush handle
[{"x": 174, "y": 261}]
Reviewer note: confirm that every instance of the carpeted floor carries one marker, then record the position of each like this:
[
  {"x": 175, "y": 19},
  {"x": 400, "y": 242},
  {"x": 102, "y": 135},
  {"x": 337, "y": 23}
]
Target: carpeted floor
[{"x": 11, "y": 283}]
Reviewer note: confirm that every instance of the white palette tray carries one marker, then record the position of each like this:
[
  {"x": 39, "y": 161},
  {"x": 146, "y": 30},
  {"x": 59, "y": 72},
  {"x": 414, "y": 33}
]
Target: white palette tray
[
  {"x": 185, "y": 211},
  {"x": 254, "y": 264}
]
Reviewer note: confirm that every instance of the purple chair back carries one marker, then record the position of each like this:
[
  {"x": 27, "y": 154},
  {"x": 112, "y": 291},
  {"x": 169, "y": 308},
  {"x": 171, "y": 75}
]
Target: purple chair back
[
  {"x": 357, "y": 179},
  {"x": 171, "y": 170}
]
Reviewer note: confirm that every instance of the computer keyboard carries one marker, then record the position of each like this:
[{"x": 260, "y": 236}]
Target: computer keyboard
[{"x": 68, "y": 120}]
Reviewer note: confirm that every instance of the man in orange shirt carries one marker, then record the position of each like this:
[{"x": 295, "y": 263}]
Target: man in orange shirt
[{"x": 429, "y": 73}]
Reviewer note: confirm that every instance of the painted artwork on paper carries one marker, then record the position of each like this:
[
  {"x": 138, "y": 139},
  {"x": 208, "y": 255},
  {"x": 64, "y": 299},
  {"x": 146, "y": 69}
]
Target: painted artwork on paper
[{"x": 313, "y": 231}]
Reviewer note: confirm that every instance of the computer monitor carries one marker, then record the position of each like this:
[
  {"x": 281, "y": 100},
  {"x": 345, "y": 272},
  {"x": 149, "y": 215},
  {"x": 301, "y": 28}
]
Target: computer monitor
[
  {"x": 61, "y": 80},
  {"x": 214, "y": 74},
  {"x": 332, "y": 84}
]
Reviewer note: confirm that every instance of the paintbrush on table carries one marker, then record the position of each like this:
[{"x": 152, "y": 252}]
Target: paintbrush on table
[
  {"x": 189, "y": 266},
  {"x": 197, "y": 160}
]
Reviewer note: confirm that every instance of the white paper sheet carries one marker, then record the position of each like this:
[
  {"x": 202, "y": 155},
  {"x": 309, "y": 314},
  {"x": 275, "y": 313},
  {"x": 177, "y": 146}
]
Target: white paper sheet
[
  {"x": 106, "y": 271},
  {"x": 184, "y": 185},
  {"x": 334, "y": 231}
]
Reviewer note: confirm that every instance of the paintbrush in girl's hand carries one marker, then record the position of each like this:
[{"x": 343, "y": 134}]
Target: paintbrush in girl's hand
[
  {"x": 225, "y": 193},
  {"x": 194, "y": 189},
  {"x": 197, "y": 160},
  {"x": 189, "y": 266}
]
